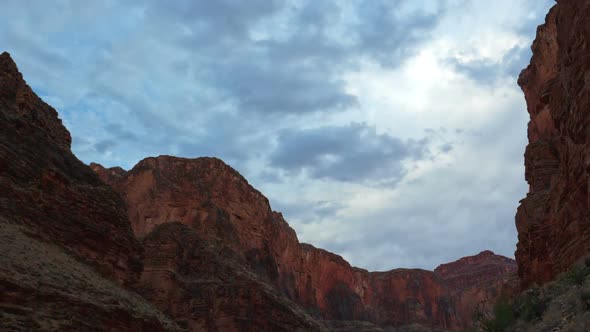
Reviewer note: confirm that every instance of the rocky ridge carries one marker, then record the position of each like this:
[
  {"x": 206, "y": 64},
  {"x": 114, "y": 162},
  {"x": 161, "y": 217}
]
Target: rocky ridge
[{"x": 217, "y": 203}]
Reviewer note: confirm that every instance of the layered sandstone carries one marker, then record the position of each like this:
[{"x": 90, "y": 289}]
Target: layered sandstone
[
  {"x": 553, "y": 221},
  {"x": 67, "y": 246},
  {"x": 43, "y": 185},
  {"x": 205, "y": 286},
  {"x": 45, "y": 288},
  {"x": 472, "y": 280},
  {"x": 471, "y": 271},
  {"x": 217, "y": 203}
]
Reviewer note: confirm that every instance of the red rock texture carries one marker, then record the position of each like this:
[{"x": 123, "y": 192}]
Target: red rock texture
[
  {"x": 474, "y": 279},
  {"x": 476, "y": 270},
  {"x": 207, "y": 287},
  {"x": 43, "y": 185},
  {"x": 59, "y": 225},
  {"x": 218, "y": 203},
  {"x": 553, "y": 221},
  {"x": 45, "y": 288}
]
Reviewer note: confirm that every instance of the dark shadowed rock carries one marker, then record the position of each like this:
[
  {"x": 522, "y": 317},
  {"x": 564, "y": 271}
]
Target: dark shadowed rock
[
  {"x": 207, "y": 287},
  {"x": 43, "y": 185},
  {"x": 67, "y": 246},
  {"x": 553, "y": 221}
]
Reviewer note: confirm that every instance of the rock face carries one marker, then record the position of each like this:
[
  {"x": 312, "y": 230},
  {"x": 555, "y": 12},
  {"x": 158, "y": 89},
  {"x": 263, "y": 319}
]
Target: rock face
[
  {"x": 59, "y": 225},
  {"x": 218, "y": 204},
  {"x": 474, "y": 279},
  {"x": 472, "y": 271},
  {"x": 45, "y": 288},
  {"x": 43, "y": 185},
  {"x": 553, "y": 221},
  {"x": 207, "y": 287}
]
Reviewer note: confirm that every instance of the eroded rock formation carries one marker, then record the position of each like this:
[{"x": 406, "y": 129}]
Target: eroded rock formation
[
  {"x": 59, "y": 225},
  {"x": 553, "y": 221},
  {"x": 205, "y": 286},
  {"x": 484, "y": 277},
  {"x": 217, "y": 203},
  {"x": 471, "y": 271}
]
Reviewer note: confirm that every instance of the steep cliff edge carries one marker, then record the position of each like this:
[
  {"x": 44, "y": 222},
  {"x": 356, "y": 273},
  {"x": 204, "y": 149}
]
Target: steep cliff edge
[
  {"x": 67, "y": 246},
  {"x": 217, "y": 203},
  {"x": 44, "y": 186},
  {"x": 553, "y": 221}
]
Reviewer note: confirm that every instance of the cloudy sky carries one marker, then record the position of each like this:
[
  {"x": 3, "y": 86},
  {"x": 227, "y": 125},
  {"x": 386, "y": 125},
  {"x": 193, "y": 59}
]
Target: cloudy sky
[{"x": 390, "y": 132}]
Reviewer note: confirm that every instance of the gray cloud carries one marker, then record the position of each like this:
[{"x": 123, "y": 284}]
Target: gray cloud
[
  {"x": 352, "y": 153},
  {"x": 294, "y": 69},
  {"x": 284, "y": 88},
  {"x": 103, "y": 146},
  {"x": 486, "y": 71}
]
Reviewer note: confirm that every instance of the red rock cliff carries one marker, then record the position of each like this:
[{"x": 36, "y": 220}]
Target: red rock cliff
[
  {"x": 472, "y": 271},
  {"x": 59, "y": 225},
  {"x": 207, "y": 287},
  {"x": 553, "y": 221},
  {"x": 218, "y": 203},
  {"x": 475, "y": 279},
  {"x": 43, "y": 185}
]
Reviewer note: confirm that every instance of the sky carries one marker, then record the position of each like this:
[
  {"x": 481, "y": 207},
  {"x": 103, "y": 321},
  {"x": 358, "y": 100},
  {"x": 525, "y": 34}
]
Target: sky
[{"x": 389, "y": 132}]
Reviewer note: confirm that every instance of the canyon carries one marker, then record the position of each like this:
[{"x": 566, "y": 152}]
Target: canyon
[
  {"x": 178, "y": 244},
  {"x": 175, "y": 244}
]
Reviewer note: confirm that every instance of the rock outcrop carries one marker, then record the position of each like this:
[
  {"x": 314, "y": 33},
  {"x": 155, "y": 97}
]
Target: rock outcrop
[
  {"x": 553, "y": 221},
  {"x": 472, "y": 271},
  {"x": 484, "y": 277},
  {"x": 66, "y": 242},
  {"x": 218, "y": 204}
]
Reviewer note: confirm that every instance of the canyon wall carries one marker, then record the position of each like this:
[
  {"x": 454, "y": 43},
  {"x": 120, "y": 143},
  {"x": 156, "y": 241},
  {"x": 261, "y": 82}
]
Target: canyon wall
[
  {"x": 217, "y": 203},
  {"x": 206, "y": 286},
  {"x": 472, "y": 280},
  {"x": 44, "y": 186},
  {"x": 66, "y": 242},
  {"x": 553, "y": 221}
]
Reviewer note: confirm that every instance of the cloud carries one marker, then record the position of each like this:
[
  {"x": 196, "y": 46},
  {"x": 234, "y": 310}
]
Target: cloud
[
  {"x": 283, "y": 88},
  {"x": 352, "y": 153},
  {"x": 103, "y": 146},
  {"x": 487, "y": 71}
]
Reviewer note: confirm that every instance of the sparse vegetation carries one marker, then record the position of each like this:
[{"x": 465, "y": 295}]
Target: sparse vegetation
[
  {"x": 498, "y": 320},
  {"x": 577, "y": 274},
  {"x": 562, "y": 305},
  {"x": 530, "y": 306}
]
